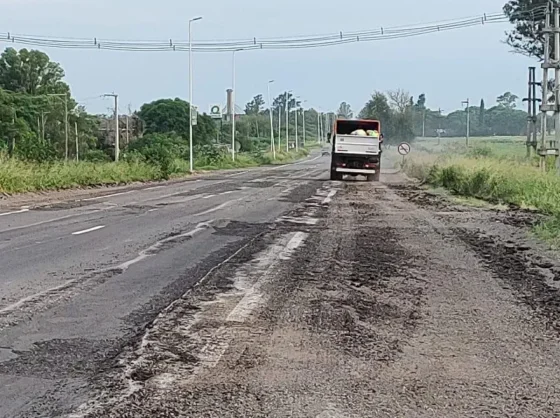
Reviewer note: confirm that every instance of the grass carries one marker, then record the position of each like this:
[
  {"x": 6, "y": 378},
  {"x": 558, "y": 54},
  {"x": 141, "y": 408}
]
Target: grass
[
  {"x": 19, "y": 176},
  {"x": 493, "y": 170}
]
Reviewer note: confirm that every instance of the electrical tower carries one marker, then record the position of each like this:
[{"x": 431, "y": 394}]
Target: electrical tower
[
  {"x": 551, "y": 33},
  {"x": 532, "y": 100}
]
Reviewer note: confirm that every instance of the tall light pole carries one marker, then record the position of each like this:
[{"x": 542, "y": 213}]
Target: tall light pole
[
  {"x": 272, "y": 147},
  {"x": 287, "y": 120},
  {"x": 117, "y": 128},
  {"x": 303, "y": 117},
  {"x": 65, "y": 97},
  {"x": 191, "y": 161},
  {"x": 233, "y": 103},
  {"x": 296, "y": 122},
  {"x": 466, "y": 102}
]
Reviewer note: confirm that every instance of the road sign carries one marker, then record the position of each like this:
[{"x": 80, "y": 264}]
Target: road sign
[
  {"x": 216, "y": 112},
  {"x": 403, "y": 148},
  {"x": 194, "y": 115}
]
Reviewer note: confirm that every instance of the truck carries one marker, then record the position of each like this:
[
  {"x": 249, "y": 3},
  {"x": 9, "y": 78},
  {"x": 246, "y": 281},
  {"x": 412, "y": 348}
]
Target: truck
[{"x": 353, "y": 153}]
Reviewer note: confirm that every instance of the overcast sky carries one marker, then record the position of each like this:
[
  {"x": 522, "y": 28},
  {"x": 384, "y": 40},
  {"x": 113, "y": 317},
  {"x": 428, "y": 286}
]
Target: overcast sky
[{"x": 448, "y": 67}]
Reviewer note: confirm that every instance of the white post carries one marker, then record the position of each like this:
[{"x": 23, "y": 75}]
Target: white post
[
  {"x": 191, "y": 160},
  {"x": 272, "y": 147}
]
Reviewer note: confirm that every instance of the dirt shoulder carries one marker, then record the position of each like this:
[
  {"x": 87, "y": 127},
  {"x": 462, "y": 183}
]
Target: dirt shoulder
[{"x": 371, "y": 300}]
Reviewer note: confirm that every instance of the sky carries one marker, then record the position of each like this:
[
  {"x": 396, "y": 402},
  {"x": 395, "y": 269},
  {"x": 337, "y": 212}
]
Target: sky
[{"x": 448, "y": 67}]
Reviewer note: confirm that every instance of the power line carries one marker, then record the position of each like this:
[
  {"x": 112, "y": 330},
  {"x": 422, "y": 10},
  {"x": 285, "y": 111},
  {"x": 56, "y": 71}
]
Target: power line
[{"x": 292, "y": 42}]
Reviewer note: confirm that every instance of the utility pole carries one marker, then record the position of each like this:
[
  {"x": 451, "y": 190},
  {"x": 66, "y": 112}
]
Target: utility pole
[
  {"x": 296, "y": 112},
  {"x": 319, "y": 127},
  {"x": 117, "y": 128},
  {"x": 287, "y": 121},
  {"x": 127, "y": 134},
  {"x": 468, "y": 121},
  {"x": 279, "y": 126},
  {"x": 550, "y": 63},
  {"x": 439, "y": 127},
  {"x": 43, "y": 125},
  {"x": 233, "y": 104},
  {"x": 303, "y": 116},
  {"x": 65, "y": 98},
  {"x": 532, "y": 100},
  {"x": 272, "y": 147},
  {"x": 424, "y": 123},
  {"x": 191, "y": 160},
  {"x": 77, "y": 142}
]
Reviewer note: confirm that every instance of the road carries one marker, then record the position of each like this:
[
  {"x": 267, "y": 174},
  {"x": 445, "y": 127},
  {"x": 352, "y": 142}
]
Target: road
[{"x": 274, "y": 292}]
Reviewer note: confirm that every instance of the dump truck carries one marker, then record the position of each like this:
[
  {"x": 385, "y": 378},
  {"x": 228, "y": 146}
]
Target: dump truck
[{"x": 356, "y": 149}]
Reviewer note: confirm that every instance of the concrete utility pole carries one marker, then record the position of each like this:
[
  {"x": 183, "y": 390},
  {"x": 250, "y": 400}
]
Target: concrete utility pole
[
  {"x": 467, "y": 102},
  {"x": 550, "y": 63},
  {"x": 233, "y": 104},
  {"x": 279, "y": 126},
  {"x": 272, "y": 147},
  {"x": 303, "y": 117},
  {"x": 191, "y": 160},
  {"x": 296, "y": 112},
  {"x": 319, "y": 127},
  {"x": 439, "y": 127},
  {"x": 117, "y": 128},
  {"x": 532, "y": 100},
  {"x": 424, "y": 123},
  {"x": 287, "y": 121},
  {"x": 77, "y": 142},
  {"x": 65, "y": 98}
]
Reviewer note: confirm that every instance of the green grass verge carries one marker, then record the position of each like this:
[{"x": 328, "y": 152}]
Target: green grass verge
[
  {"x": 495, "y": 180},
  {"x": 19, "y": 177}
]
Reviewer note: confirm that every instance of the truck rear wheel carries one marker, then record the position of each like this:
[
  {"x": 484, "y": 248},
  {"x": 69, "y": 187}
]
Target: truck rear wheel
[
  {"x": 374, "y": 177},
  {"x": 336, "y": 176}
]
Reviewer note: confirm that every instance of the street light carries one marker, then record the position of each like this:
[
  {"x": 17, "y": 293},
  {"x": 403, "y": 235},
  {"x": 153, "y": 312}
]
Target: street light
[
  {"x": 233, "y": 104},
  {"x": 296, "y": 123},
  {"x": 191, "y": 164},
  {"x": 272, "y": 147},
  {"x": 287, "y": 120}
]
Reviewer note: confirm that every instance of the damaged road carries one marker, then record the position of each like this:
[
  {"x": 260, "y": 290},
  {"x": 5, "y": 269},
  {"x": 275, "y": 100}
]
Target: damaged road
[{"x": 314, "y": 299}]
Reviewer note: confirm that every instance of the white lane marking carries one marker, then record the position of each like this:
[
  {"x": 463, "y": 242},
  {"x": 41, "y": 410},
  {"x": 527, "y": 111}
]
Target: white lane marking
[
  {"x": 215, "y": 208},
  {"x": 85, "y": 231},
  {"x": 109, "y": 195},
  {"x": 254, "y": 296},
  {"x": 238, "y": 174},
  {"x": 54, "y": 220},
  {"x": 14, "y": 212},
  {"x": 152, "y": 210},
  {"x": 329, "y": 197},
  {"x": 150, "y": 251},
  {"x": 304, "y": 220},
  {"x": 155, "y": 187},
  {"x": 299, "y": 162},
  {"x": 228, "y": 192},
  {"x": 209, "y": 196}
]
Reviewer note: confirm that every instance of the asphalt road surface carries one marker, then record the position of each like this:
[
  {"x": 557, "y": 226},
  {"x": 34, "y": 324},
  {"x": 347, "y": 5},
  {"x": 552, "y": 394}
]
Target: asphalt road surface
[{"x": 274, "y": 292}]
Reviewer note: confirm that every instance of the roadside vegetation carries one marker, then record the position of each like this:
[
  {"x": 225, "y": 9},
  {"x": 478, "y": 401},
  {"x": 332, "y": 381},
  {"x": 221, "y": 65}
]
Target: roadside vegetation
[
  {"x": 493, "y": 169},
  {"x": 49, "y": 141}
]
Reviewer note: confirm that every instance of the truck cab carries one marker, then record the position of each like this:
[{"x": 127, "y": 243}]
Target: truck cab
[{"x": 356, "y": 149}]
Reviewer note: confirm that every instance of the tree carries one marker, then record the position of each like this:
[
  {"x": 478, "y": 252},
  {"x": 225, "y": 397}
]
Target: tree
[
  {"x": 172, "y": 116},
  {"x": 527, "y": 16},
  {"x": 481, "y": 113},
  {"x": 421, "y": 103},
  {"x": 254, "y": 106},
  {"x": 30, "y": 72},
  {"x": 345, "y": 111},
  {"x": 507, "y": 100}
]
